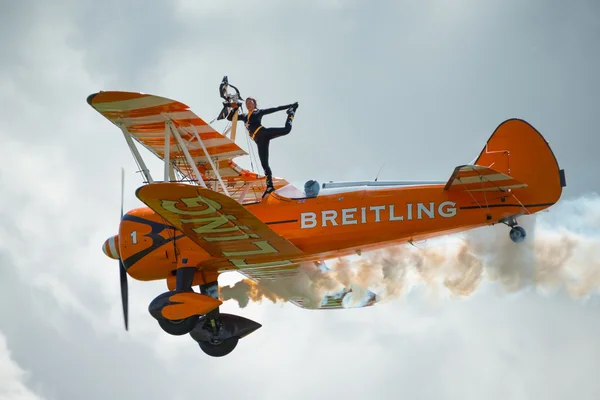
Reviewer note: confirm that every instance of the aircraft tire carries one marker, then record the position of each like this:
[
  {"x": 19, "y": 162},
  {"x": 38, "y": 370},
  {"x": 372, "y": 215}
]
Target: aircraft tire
[
  {"x": 179, "y": 327},
  {"x": 219, "y": 349},
  {"x": 517, "y": 234}
]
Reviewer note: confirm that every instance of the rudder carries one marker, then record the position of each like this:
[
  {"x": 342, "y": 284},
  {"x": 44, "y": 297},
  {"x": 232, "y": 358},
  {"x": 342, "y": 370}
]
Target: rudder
[{"x": 518, "y": 150}]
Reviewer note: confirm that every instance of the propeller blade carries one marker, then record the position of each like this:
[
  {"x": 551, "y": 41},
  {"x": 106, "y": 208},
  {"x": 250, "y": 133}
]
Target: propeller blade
[
  {"x": 124, "y": 294},
  {"x": 122, "y": 271}
]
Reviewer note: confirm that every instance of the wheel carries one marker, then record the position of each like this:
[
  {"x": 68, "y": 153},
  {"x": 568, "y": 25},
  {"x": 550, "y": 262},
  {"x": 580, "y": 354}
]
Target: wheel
[
  {"x": 517, "y": 234},
  {"x": 178, "y": 327},
  {"x": 219, "y": 349}
]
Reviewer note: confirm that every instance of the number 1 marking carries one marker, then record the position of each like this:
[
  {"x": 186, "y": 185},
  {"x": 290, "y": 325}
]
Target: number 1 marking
[{"x": 134, "y": 237}]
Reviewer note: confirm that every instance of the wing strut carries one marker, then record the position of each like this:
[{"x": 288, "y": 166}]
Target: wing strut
[
  {"x": 244, "y": 193},
  {"x": 210, "y": 159},
  {"x": 167, "y": 157},
  {"x": 136, "y": 153},
  {"x": 190, "y": 160},
  {"x": 174, "y": 127}
]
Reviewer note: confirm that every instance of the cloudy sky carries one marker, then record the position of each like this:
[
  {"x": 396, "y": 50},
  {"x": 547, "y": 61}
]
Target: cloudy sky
[{"x": 417, "y": 85}]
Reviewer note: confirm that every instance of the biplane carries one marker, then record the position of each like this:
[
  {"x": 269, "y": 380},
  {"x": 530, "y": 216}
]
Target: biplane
[{"x": 207, "y": 215}]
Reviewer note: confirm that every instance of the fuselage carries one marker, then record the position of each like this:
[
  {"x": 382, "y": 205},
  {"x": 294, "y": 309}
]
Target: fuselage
[{"x": 341, "y": 222}]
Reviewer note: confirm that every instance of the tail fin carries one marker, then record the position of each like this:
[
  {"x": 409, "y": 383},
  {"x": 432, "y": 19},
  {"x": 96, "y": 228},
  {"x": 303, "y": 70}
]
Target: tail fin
[{"x": 519, "y": 151}]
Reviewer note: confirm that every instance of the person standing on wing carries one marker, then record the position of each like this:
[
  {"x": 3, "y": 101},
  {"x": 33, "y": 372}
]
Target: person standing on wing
[{"x": 262, "y": 136}]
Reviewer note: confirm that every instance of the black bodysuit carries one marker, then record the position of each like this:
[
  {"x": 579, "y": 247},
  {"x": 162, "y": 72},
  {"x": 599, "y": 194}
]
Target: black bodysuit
[{"x": 261, "y": 135}]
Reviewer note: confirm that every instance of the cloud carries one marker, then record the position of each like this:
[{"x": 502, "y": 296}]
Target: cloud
[
  {"x": 66, "y": 352},
  {"x": 398, "y": 82},
  {"x": 12, "y": 377}
]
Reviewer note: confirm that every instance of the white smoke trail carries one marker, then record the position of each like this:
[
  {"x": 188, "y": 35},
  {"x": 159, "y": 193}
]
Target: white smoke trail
[{"x": 561, "y": 252}]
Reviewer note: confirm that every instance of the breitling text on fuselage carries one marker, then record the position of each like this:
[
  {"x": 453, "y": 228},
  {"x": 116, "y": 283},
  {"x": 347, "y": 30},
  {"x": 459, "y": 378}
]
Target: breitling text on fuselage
[{"x": 377, "y": 213}]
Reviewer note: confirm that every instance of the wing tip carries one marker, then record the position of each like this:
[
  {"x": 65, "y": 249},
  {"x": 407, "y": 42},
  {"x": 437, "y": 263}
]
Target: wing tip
[{"x": 90, "y": 98}]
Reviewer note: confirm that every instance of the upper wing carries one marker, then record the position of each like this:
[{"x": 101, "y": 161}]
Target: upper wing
[
  {"x": 224, "y": 228},
  {"x": 477, "y": 178},
  {"x": 144, "y": 116}
]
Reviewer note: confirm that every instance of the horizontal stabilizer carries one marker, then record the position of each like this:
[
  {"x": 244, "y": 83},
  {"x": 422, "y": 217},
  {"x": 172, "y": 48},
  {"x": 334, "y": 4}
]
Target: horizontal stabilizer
[
  {"x": 220, "y": 225},
  {"x": 477, "y": 178}
]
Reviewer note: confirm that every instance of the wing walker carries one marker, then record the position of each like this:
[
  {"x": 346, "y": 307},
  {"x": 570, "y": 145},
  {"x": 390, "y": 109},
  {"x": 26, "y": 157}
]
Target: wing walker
[{"x": 208, "y": 215}]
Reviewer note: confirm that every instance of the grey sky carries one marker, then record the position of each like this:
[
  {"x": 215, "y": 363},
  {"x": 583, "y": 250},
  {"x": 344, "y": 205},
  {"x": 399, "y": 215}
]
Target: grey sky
[{"x": 417, "y": 85}]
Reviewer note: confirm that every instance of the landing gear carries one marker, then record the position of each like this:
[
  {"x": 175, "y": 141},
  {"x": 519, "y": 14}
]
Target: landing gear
[
  {"x": 173, "y": 327},
  {"x": 217, "y": 334},
  {"x": 177, "y": 327},
  {"x": 219, "y": 348},
  {"x": 517, "y": 233}
]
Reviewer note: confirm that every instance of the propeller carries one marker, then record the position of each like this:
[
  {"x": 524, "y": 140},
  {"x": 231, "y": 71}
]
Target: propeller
[{"x": 123, "y": 272}]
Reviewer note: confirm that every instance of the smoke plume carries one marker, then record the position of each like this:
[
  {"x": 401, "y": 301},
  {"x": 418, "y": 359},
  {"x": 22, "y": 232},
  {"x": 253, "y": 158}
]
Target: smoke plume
[{"x": 561, "y": 252}]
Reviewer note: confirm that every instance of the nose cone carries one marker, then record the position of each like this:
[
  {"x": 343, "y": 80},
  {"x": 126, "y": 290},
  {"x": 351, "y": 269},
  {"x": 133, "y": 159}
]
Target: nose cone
[{"x": 111, "y": 247}]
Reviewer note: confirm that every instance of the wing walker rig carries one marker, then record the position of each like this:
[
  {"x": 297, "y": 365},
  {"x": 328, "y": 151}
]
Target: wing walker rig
[{"x": 208, "y": 215}]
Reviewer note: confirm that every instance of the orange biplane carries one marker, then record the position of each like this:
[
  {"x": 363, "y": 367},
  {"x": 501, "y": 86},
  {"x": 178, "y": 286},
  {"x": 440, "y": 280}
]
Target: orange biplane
[{"x": 208, "y": 215}]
